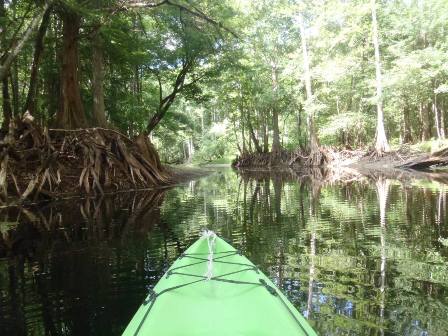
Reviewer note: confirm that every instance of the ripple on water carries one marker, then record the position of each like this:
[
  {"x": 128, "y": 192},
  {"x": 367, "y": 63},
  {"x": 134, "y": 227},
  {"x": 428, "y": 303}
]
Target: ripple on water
[{"x": 357, "y": 258}]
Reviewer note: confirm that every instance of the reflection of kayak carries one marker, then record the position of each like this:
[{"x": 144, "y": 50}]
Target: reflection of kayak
[{"x": 211, "y": 289}]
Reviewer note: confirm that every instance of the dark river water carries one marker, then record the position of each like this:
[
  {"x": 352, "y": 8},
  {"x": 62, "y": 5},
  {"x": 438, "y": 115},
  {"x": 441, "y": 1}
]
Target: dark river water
[{"x": 361, "y": 257}]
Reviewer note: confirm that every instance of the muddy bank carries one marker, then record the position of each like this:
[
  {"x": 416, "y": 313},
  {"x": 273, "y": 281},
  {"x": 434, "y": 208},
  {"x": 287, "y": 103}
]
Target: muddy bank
[
  {"x": 358, "y": 159},
  {"x": 181, "y": 174},
  {"x": 344, "y": 166}
]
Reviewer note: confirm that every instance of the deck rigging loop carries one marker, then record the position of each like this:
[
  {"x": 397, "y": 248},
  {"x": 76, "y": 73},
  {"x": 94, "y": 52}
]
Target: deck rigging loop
[{"x": 211, "y": 239}]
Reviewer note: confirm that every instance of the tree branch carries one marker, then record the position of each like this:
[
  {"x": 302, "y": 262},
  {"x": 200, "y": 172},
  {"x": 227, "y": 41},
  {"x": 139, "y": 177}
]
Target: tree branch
[
  {"x": 19, "y": 28},
  {"x": 194, "y": 11},
  {"x": 5, "y": 66},
  {"x": 166, "y": 102}
]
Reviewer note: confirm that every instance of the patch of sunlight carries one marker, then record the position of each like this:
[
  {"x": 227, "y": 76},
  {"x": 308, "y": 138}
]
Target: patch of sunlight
[
  {"x": 219, "y": 128},
  {"x": 431, "y": 146},
  {"x": 6, "y": 226},
  {"x": 444, "y": 241}
]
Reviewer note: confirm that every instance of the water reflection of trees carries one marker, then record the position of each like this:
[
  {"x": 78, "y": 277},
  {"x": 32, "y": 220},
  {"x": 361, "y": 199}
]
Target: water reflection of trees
[
  {"x": 101, "y": 219},
  {"x": 358, "y": 255},
  {"x": 363, "y": 249},
  {"x": 65, "y": 271}
]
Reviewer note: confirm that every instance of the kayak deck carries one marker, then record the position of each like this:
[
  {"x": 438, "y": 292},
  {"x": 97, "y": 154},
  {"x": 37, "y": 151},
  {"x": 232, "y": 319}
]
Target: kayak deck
[{"x": 226, "y": 295}]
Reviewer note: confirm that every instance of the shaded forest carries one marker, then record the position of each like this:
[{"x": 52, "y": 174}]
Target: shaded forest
[{"x": 99, "y": 95}]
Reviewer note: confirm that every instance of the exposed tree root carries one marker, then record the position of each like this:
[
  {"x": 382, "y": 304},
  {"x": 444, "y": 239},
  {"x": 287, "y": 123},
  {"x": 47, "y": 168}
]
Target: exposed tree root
[
  {"x": 262, "y": 159},
  {"x": 37, "y": 163},
  {"x": 375, "y": 155},
  {"x": 396, "y": 156},
  {"x": 318, "y": 158},
  {"x": 297, "y": 158}
]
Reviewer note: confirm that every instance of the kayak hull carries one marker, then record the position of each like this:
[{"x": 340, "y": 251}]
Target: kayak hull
[{"x": 225, "y": 296}]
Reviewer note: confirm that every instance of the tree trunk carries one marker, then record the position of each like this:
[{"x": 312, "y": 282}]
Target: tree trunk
[
  {"x": 442, "y": 122},
  {"x": 436, "y": 120},
  {"x": 165, "y": 103},
  {"x": 426, "y": 122},
  {"x": 244, "y": 147},
  {"x": 71, "y": 111},
  {"x": 99, "y": 113},
  {"x": 264, "y": 131},
  {"x": 407, "y": 135},
  {"x": 6, "y": 99},
  {"x": 236, "y": 138},
  {"x": 253, "y": 136},
  {"x": 15, "y": 89},
  {"x": 381, "y": 144},
  {"x": 6, "y": 104},
  {"x": 138, "y": 85},
  {"x": 276, "y": 146},
  {"x": 439, "y": 128},
  {"x": 191, "y": 144},
  {"x": 314, "y": 142},
  {"x": 299, "y": 124},
  {"x": 51, "y": 76},
  {"x": 30, "y": 104}
]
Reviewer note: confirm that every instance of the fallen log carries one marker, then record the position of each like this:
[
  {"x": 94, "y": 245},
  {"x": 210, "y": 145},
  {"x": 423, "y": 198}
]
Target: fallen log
[{"x": 436, "y": 159}]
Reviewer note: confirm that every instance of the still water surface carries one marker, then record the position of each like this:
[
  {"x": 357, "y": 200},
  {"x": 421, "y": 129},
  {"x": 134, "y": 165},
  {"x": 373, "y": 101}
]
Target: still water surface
[{"x": 365, "y": 257}]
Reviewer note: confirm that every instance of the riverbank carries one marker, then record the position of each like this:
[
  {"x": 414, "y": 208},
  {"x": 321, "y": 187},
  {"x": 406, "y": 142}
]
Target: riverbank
[
  {"x": 45, "y": 164},
  {"x": 335, "y": 158},
  {"x": 181, "y": 173}
]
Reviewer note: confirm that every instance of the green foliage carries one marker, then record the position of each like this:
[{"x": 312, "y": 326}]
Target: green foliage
[
  {"x": 243, "y": 80},
  {"x": 216, "y": 145},
  {"x": 349, "y": 127}
]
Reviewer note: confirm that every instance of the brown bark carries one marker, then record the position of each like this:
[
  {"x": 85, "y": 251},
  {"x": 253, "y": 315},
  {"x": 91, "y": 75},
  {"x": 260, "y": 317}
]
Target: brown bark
[
  {"x": 99, "y": 113},
  {"x": 71, "y": 111},
  {"x": 30, "y": 104},
  {"x": 149, "y": 153},
  {"x": 51, "y": 78}
]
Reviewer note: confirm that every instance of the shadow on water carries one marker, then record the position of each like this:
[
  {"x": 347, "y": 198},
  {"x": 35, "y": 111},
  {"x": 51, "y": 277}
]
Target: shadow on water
[
  {"x": 357, "y": 254},
  {"x": 60, "y": 264}
]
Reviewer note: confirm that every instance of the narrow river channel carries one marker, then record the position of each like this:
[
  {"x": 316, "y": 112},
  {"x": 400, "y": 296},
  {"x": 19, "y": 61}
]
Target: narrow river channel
[{"x": 366, "y": 257}]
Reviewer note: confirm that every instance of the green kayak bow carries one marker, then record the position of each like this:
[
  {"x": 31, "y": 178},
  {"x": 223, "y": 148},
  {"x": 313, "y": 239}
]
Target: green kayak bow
[{"x": 213, "y": 290}]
